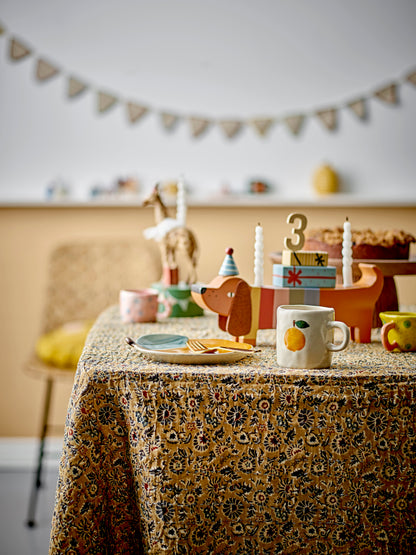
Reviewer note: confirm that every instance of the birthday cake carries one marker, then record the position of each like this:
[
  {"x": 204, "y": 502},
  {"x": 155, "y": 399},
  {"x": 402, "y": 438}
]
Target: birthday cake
[{"x": 366, "y": 244}]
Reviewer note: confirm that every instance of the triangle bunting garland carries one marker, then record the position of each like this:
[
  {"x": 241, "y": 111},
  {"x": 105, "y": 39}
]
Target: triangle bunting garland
[
  {"x": 359, "y": 108},
  {"x": 328, "y": 117},
  {"x": 75, "y": 87},
  {"x": 199, "y": 125},
  {"x": 294, "y": 123},
  {"x": 105, "y": 101},
  {"x": 45, "y": 70},
  {"x": 262, "y": 125},
  {"x": 411, "y": 77},
  {"x": 169, "y": 121},
  {"x": 230, "y": 127},
  {"x": 17, "y": 50},
  {"x": 135, "y": 111},
  {"x": 388, "y": 94}
]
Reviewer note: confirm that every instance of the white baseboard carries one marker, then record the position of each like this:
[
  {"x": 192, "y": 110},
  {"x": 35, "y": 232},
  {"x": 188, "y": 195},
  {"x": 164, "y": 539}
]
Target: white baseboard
[{"x": 21, "y": 453}]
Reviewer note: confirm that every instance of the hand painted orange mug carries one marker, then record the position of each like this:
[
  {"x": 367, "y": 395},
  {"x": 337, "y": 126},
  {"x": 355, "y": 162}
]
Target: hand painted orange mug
[
  {"x": 399, "y": 331},
  {"x": 305, "y": 336}
]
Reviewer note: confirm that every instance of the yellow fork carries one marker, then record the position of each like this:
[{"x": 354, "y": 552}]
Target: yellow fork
[{"x": 197, "y": 347}]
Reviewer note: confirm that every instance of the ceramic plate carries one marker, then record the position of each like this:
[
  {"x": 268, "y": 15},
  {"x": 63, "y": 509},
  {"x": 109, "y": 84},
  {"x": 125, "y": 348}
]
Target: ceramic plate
[
  {"x": 182, "y": 355},
  {"x": 161, "y": 341}
]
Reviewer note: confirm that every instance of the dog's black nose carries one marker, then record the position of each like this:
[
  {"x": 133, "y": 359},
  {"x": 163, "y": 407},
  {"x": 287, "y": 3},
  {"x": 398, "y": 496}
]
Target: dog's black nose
[{"x": 198, "y": 289}]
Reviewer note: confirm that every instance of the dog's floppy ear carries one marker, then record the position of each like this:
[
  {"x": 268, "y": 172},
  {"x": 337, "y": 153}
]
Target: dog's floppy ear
[
  {"x": 222, "y": 322},
  {"x": 239, "y": 318}
]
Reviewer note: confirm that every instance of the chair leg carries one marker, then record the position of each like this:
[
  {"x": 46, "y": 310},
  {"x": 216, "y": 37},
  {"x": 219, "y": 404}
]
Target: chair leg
[{"x": 38, "y": 472}]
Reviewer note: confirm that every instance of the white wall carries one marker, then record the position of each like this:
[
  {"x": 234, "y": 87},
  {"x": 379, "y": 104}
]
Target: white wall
[{"x": 237, "y": 59}]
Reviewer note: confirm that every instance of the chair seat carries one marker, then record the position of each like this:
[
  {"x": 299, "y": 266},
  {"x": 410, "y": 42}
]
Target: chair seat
[
  {"x": 63, "y": 346},
  {"x": 39, "y": 369}
]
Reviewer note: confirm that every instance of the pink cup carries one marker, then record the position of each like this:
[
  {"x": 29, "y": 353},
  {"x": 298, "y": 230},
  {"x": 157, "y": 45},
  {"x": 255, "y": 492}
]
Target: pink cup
[{"x": 139, "y": 305}]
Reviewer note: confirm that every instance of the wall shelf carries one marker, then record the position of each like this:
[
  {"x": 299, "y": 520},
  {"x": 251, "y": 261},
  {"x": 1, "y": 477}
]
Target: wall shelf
[{"x": 231, "y": 201}]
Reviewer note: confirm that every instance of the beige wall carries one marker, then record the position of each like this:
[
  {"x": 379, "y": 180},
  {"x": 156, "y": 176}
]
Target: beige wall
[{"x": 27, "y": 236}]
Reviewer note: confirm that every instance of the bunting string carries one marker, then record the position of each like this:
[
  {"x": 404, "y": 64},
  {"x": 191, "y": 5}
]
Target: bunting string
[{"x": 199, "y": 125}]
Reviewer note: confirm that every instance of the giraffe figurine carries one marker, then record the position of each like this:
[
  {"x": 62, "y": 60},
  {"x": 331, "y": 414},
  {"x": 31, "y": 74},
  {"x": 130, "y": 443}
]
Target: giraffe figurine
[{"x": 173, "y": 237}]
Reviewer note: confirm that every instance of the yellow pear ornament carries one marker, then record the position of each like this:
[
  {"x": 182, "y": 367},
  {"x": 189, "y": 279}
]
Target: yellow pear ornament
[{"x": 325, "y": 180}]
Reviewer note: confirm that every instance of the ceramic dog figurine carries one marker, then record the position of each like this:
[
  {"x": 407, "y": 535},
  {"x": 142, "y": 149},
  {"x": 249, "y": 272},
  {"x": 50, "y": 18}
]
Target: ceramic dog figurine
[{"x": 243, "y": 309}]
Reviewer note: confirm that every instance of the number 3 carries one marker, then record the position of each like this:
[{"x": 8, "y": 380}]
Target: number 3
[{"x": 296, "y": 231}]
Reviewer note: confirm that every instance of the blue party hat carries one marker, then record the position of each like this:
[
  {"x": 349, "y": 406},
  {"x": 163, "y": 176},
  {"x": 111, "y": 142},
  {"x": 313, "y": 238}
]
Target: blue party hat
[{"x": 228, "y": 267}]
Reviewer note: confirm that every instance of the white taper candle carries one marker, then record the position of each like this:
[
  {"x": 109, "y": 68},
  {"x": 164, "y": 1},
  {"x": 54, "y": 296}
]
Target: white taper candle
[
  {"x": 181, "y": 203},
  {"x": 347, "y": 255},
  {"x": 258, "y": 257}
]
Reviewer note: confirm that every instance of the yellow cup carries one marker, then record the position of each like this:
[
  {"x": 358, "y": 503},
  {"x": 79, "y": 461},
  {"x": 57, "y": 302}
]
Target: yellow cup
[{"x": 399, "y": 331}]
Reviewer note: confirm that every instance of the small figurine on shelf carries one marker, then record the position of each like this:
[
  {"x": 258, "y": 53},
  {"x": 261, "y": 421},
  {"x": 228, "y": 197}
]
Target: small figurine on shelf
[
  {"x": 127, "y": 186},
  {"x": 58, "y": 189},
  {"x": 325, "y": 180},
  {"x": 175, "y": 239},
  {"x": 258, "y": 186}
]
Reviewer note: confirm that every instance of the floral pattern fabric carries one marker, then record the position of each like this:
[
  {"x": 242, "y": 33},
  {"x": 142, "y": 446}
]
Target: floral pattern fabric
[{"x": 244, "y": 458}]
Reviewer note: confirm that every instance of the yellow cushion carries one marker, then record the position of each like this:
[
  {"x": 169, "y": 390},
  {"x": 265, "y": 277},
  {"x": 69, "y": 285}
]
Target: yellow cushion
[{"x": 63, "y": 347}]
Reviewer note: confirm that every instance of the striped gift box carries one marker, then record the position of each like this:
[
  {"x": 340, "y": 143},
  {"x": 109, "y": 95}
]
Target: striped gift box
[{"x": 304, "y": 276}]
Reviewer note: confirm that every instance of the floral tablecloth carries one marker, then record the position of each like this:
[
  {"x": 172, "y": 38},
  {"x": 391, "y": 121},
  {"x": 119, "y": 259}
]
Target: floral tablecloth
[{"x": 243, "y": 458}]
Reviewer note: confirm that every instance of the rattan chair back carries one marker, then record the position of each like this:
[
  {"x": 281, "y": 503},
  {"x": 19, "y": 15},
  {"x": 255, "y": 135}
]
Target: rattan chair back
[{"x": 85, "y": 277}]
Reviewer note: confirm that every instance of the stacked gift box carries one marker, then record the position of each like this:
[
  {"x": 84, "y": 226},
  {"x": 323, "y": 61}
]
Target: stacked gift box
[{"x": 304, "y": 269}]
